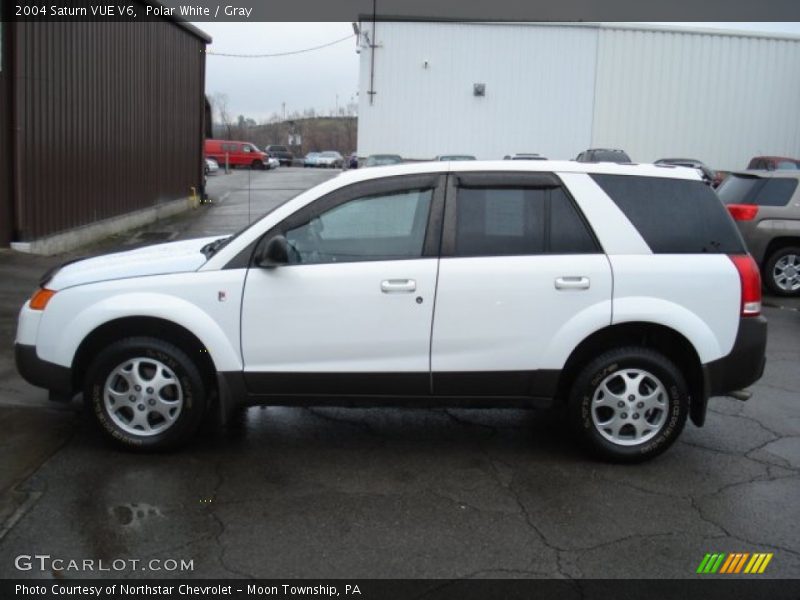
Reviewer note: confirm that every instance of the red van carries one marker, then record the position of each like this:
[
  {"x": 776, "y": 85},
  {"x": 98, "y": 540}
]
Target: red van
[{"x": 240, "y": 154}]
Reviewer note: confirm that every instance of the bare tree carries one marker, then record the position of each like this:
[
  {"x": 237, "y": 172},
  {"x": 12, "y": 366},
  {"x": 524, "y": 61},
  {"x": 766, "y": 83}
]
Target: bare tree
[{"x": 219, "y": 103}]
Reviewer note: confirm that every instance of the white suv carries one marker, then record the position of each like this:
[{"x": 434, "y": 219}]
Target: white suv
[{"x": 623, "y": 293}]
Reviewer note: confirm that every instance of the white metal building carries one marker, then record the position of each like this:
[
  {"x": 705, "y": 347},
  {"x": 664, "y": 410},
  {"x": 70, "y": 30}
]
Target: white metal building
[{"x": 557, "y": 89}]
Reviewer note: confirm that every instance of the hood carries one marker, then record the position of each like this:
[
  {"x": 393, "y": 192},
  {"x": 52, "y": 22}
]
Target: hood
[{"x": 158, "y": 259}]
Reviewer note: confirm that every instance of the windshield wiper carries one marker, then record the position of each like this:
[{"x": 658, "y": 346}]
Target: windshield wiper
[{"x": 211, "y": 248}]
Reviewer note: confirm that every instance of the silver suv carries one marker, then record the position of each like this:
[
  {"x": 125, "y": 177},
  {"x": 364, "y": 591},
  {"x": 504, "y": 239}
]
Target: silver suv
[{"x": 766, "y": 207}]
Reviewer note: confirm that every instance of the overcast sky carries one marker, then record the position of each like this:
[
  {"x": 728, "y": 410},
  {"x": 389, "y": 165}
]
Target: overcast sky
[{"x": 258, "y": 87}]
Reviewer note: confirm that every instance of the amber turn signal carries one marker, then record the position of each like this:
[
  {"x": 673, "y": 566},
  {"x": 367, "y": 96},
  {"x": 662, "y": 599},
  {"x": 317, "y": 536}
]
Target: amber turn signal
[{"x": 41, "y": 298}]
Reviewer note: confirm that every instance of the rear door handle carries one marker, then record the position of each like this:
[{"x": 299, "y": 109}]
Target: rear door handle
[
  {"x": 391, "y": 286},
  {"x": 572, "y": 283}
]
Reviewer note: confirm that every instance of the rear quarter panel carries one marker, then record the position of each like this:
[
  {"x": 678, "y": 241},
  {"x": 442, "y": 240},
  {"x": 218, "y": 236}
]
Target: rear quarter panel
[{"x": 697, "y": 295}]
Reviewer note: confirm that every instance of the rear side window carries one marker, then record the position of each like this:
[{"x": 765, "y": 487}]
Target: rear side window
[
  {"x": 493, "y": 221},
  {"x": 764, "y": 191},
  {"x": 674, "y": 216}
]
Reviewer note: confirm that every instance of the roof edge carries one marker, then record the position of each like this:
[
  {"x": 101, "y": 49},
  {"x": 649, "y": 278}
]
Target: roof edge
[
  {"x": 631, "y": 26},
  {"x": 186, "y": 25}
]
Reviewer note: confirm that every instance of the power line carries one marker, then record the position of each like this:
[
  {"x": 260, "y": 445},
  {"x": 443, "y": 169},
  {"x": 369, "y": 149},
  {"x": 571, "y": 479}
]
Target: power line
[{"x": 280, "y": 53}]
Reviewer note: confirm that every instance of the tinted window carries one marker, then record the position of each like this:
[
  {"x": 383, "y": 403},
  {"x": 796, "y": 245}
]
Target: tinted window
[
  {"x": 518, "y": 221},
  {"x": 674, "y": 216},
  {"x": 568, "y": 231},
  {"x": 739, "y": 189},
  {"x": 380, "y": 227}
]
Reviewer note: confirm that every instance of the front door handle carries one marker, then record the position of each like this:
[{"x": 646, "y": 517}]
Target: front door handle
[
  {"x": 572, "y": 283},
  {"x": 391, "y": 286}
]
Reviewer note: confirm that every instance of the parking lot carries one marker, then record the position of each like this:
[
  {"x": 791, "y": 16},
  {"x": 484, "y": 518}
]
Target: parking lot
[{"x": 394, "y": 493}]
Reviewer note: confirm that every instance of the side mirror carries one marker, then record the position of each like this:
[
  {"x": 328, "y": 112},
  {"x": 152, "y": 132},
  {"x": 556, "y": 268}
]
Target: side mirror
[{"x": 273, "y": 253}]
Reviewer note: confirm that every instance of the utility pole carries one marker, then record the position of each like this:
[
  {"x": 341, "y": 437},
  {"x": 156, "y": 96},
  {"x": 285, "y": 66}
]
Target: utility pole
[
  {"x": 283, "y": 104},
  {"x": 337, "y": 105}
]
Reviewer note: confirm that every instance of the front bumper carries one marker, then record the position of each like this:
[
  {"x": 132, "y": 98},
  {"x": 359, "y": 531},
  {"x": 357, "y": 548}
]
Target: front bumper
[
  {"x": 42, "y": 373},
  {"x": 742, "y": 367}
]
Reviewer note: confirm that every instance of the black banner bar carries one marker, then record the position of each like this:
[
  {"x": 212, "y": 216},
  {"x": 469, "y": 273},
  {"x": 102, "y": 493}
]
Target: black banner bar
[
  {"x": 727, "y": 588},
  {"x": 351, "y": 10}
]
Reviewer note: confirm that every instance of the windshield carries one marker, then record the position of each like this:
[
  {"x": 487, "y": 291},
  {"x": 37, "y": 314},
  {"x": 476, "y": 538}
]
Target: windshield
[
  {"x": 212, "y": 248},
  {"x": 457, "y": 157},
  {"x": 787, "y": 164},
  {"x": 610, "y": 156}
]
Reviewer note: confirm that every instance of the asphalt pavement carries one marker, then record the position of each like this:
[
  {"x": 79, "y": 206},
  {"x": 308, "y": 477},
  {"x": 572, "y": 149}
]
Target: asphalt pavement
[{"x": 312, "y": 492}]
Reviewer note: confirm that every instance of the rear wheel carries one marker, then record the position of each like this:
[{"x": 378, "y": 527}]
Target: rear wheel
[
  {"x": 146, "y": 393},
  {"x": 629, "y": 404},
  {"x": 257, "y": 164},
  {"x": 782, "y": 271}
]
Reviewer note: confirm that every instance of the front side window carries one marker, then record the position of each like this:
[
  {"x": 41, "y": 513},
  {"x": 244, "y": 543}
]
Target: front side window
[
  {"x": 519, "y": 221},
  {"x": 389, "y": 226}
]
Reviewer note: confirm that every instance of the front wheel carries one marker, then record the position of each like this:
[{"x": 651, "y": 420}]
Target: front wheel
[
  {"x": 629, "y": 404},
  {"x": 782, "y": 272},
  {"x": 146, "y": 394}
]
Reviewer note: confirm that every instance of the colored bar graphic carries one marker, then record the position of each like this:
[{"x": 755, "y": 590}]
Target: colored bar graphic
[
  {"x": 703, "y": 563},
  {"x": 727, "y": 564},
  {"x": 718, "y": 563},
  {"x": 734, "y": 563},
  {"x": 741, "y": 562},
  {"x": 734, "y": 560},
  {"x": 754, "y": 563},
  {"x": 765, "y": 563}
]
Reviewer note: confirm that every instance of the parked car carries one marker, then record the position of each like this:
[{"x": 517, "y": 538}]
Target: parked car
[
  {"x": 646, "y": 303},
  {"x": 773, "y": 163},
  {"x": 238, "y": 154},
  {"x": 603, "y": 155},
  {"x": 282, "y": 153},
  {"x": 273, "y": 163},
  {"x": 525, "y": 156},
  {"x": 311, "y": 159},
  {"x": 330, "y": 159},
  {"x": 766, "y": 207},
  {"x": 444, "y": 157},
  {"x": 210, "y": 166},
  {"x": 381, "y": 160},
  {"x": 709, "y": 175}
]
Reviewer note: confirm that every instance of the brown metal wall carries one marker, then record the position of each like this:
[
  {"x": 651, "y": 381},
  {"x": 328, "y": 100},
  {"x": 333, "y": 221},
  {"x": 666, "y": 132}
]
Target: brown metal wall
[
  {"x": 6, "y": 214},
  {"x": 108, "y": 119}
]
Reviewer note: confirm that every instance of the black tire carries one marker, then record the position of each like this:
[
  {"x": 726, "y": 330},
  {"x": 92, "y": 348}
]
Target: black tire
[
  {"x": 189, "y": 383},
  {"x": 257, "y": 164},
  {"x": 768, "y": 273},
  {"x": 607, "y": 368}
]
